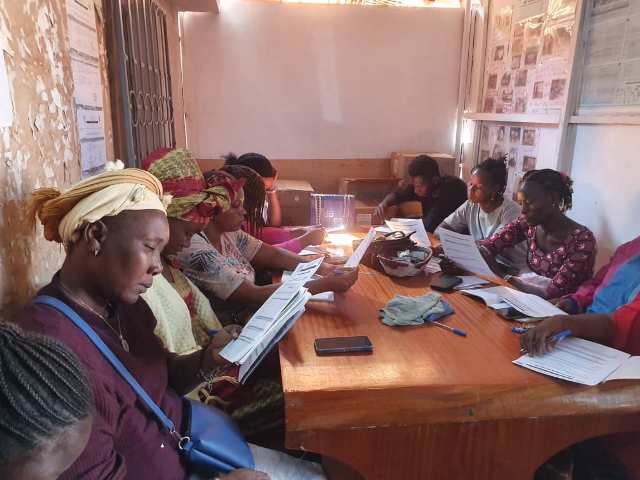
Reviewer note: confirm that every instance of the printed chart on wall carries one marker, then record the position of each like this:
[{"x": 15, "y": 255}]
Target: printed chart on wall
[
  {"x": 611, "y": 74},
  {"x": 520, "y": 145},
  {"x": 527, "y": 64},
  {"x": 85, "y": 65}
]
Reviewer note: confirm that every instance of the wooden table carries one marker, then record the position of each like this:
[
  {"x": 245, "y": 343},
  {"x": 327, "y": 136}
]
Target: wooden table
[{"x": 428, "y": 404}]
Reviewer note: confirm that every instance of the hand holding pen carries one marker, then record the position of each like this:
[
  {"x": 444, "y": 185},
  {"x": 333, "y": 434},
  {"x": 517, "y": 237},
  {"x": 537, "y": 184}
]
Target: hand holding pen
[{"x": 544, "y": 336}]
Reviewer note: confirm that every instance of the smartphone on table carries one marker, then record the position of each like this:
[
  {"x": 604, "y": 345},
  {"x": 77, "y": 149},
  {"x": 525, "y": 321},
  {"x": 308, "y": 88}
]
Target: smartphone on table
[{"x": 339, "y": 345}]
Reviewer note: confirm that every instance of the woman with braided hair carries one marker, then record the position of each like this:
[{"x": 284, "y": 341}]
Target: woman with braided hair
[
  {"x": 46, "y": 406},
  {"x": 293, "y": 240},
  {"x": 487, "y": 210},
  {"x": 263, "y": 207},
  {"x": 560, "y": 251}
]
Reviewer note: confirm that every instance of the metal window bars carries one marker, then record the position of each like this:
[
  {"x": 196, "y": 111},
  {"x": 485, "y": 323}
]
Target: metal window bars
[{"x": 144, "y": 79}]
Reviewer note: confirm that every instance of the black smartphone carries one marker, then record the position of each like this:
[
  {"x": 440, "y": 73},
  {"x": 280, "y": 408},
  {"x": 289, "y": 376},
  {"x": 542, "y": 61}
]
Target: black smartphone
[
  {"x": 445, "y": 283},
  {"x": 510, "y": 313},
  {"x": 332, "y": 346}
]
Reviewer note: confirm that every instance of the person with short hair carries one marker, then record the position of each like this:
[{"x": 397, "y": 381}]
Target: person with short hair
[
  {"x": 560, "y": 251},
  {"x": 487, "y": 210},
  {"x": 46, "y": 406},
  {"x": 440, "y": 195}
]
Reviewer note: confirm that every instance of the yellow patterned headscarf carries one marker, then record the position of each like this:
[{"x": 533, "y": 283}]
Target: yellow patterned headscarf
[
  {"x": 88, "y": 201},
  {"x": 192, "y": 199}
]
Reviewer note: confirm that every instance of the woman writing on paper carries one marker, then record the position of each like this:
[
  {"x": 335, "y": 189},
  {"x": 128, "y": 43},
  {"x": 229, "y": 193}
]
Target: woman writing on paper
[
  {"x": 221, "y": 260},
  {"x": 560, "y": 251},
  {"x": 487, "y": 210},
  {"x": 605, "y": 309}
]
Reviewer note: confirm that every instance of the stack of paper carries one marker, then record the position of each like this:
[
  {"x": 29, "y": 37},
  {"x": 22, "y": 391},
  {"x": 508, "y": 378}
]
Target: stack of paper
[
  {"x": 409, "y": 225},
  {"x": 505, "y": 297},
  {"x": 582, "y": 361},
  {"x": 272, "y": 320},
  {"x": 318, "y": 297},
  {"x": 463, "y": 251}
]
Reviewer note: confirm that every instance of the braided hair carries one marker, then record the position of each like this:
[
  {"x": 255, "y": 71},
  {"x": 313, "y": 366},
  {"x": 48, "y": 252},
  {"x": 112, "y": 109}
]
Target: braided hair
[
  {"x": 495, "y": 171},
  {"x": 255, "y": 161},
  {"x": 254, "y": 195},
  {"x": 553, "y": 182},
  {"x": 43, "y": 390}
]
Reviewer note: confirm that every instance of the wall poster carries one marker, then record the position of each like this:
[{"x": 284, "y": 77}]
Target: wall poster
[
  {"x": 528, "y": 57},
  {"x": 518, "y": 142}
]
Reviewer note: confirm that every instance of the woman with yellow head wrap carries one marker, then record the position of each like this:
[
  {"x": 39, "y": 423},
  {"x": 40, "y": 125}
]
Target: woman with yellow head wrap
[{"x": 114, "y": 228}]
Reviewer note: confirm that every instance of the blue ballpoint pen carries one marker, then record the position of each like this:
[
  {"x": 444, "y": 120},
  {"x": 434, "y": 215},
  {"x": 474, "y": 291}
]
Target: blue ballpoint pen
[
  {"x": 453, "y": 330},
  {"x": 558, "y": 337}
]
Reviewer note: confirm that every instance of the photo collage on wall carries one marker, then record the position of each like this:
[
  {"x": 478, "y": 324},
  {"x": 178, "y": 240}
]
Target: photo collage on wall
[
  {"x": 518, "y": 142},
  {"x": 527, "y": 63}
]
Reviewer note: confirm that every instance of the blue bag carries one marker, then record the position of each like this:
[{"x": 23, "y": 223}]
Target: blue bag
[{"x": 213, "y": 443}]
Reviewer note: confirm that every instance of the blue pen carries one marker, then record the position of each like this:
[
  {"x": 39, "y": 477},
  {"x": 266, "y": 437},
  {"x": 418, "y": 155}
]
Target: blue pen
[
  {"x": 558, "y": 337},
  {"x": 455, "y": 331}
]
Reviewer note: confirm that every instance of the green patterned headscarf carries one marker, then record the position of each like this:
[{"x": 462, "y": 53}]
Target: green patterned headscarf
[{"x": 182, "y": 178}]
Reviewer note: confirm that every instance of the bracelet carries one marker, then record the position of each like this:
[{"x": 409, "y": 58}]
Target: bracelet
[
  {"x": 271, "y": 190},
  {"x": 507, "y": 277}
]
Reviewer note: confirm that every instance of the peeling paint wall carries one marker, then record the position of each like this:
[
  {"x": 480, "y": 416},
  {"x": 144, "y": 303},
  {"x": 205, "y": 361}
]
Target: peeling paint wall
[{"x": 41, "y": 148}]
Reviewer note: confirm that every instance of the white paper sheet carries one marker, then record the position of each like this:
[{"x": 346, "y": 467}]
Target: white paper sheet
[
  {"x": 356, "y": 256},
  {"x": 87, "y": 83},
  {"x": 576, "y": 360},
  {"x": 491, "y": 296},
  {"x": 629, "y": 370},
  {"x": 318, "y": 297},
  {"x": 408, "y": 225},
  {"x": 462, "y": 250},
  {"x": 529, "y": 304}
]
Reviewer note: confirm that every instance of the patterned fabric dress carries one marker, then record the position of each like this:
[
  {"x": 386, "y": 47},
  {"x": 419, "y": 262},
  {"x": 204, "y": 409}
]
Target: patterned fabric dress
[{"x": 568, "y": 266}]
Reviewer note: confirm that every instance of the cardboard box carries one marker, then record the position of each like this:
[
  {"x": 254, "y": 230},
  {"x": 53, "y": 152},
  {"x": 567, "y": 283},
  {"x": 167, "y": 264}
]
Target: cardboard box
[
  {"x": 400, "y": 163},
  {"x": 294, "y": 196},
  {"x": 367, "y": 186}
]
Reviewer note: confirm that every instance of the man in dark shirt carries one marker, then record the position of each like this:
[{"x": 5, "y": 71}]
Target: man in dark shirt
[{"x": 439, "y": 194}]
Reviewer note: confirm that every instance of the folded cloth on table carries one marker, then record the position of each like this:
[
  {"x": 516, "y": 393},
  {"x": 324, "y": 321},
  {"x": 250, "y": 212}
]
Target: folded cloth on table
[{"x": 404, "y": 310}]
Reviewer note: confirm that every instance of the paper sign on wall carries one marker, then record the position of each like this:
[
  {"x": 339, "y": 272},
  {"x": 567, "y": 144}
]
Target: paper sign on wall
[{"x": 87, "y": 81}]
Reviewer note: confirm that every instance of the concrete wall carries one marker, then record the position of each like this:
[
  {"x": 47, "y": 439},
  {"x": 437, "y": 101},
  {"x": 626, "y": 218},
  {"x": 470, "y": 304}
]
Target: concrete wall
[
  {"x": 41, "y": 147},
  {"x": 606, "y": 175},
  {"x": 299, "y": 81}
]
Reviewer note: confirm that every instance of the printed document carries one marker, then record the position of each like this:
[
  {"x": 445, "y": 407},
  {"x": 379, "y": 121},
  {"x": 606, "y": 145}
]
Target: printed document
[
  {"x": 356, "y": 256},
  {"x": 462, "y": 250},
  {"x": 582, "y": 361},
  {"x": 273, "y": 317}
]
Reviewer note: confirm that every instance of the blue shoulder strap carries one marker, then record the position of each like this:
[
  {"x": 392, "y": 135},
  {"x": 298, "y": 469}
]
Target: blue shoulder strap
[{"x": 117, "y": 364}]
